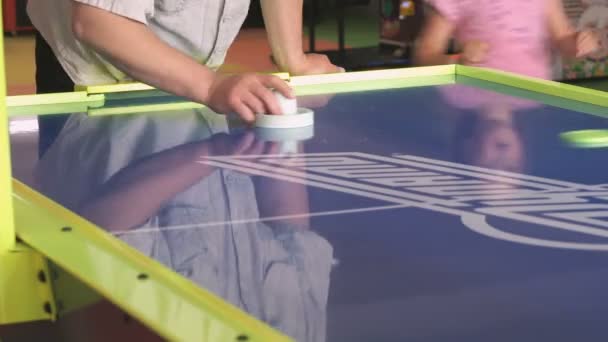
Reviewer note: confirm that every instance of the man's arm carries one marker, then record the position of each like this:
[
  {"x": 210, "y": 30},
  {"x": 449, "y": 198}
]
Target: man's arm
[
  {"x": 136, "y": 50},
  {"x": 283, "y": 21}
]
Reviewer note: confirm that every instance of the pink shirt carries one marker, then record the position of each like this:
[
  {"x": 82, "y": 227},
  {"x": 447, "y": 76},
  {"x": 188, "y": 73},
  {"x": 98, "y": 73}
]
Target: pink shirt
[{"x": 516, "y": 30}]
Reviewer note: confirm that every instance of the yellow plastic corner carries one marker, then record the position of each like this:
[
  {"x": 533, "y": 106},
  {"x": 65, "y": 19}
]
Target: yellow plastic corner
[
  {"x": 7, "y": 230},
  {"x": 25, "y": 290}
]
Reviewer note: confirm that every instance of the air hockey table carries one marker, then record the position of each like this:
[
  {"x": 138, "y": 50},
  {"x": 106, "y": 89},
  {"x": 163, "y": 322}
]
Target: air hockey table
[{"x": 424, "y": 204}]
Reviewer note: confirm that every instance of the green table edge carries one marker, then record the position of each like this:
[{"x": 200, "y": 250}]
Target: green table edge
[
  {"x": 48, "y": 104},
  {"x": 134, "y": 86},
  {"x": 567, "y": 91}
]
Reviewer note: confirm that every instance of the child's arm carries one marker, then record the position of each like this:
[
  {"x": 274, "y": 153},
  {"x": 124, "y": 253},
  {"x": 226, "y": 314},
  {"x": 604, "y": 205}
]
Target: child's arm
[
  {"x": 570, "y": 43},
  {"x": 434, "y": 39}
]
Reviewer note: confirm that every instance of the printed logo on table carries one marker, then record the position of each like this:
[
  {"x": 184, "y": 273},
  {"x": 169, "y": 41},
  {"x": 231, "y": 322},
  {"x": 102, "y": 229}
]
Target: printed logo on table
[{"x": 497, "y": 204}]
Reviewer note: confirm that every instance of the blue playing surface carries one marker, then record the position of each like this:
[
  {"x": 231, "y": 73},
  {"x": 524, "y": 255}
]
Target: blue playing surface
[{"x": 411, "y": 215}]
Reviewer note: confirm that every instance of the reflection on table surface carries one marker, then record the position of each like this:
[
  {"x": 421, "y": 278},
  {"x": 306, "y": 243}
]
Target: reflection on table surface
[{"x": 322, "y": 258}]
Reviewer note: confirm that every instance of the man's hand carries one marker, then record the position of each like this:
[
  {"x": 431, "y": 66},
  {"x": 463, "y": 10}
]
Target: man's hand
[
  {"x": 474, "y": 52},
  {"x": 283, "y": 21},
  {"x": 313, "y": 64},
  {"x": 246, "y": 95},
  {"x": 587, "y": 42}
]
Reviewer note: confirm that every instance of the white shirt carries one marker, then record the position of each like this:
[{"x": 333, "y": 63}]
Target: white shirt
[{"x": 203, "y": 29}]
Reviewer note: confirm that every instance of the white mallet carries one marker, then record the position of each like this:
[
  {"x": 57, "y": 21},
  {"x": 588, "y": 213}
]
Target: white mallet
[{"x": 288, "y": 106}]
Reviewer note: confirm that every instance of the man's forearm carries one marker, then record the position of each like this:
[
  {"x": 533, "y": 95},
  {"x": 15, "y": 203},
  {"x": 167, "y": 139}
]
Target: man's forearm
[
  {"x": 286, "y": 200},
  {"x": 283, "y": 21},
  {"x": 136, "y": 50}
]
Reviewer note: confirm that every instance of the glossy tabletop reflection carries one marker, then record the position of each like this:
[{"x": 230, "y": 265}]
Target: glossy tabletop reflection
[{"x": 446, "y": 213}]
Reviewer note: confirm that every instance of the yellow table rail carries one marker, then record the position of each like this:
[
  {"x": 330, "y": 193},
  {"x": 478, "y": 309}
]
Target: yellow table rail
[
  {"x": 172, "y": 306},
  {"x": 7, "y": 231}
]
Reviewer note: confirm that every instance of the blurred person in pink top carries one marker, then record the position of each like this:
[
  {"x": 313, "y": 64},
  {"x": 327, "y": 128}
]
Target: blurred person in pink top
[{"x": 510, "y": 35}]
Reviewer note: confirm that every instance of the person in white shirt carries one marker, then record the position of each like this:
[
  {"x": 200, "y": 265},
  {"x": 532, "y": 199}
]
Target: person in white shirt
[{"x": 173, "y": 45}]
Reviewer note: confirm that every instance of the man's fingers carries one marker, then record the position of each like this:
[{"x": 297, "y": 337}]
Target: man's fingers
[
  {"x": 256, "y": 105},
  {"x": 279, "y": 85},
  {"x": 257, "y": 147},
  {"x": 244, "y": 112},
  {"x": 268, "y": 99},
  {"x": 244, "y": 143}
]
